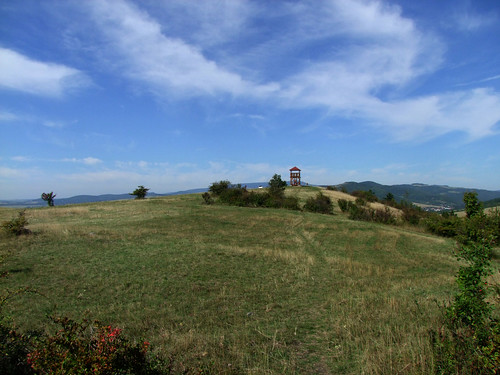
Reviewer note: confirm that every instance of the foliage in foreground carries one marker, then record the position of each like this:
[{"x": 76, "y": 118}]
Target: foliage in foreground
[
  {"x": 17, "y": 226},
  {"x": 469, "y": 340},
  {"x": 466, "y": 230},
  {"x": 84, "y": 348},
  {"x": 76, "y": 348}
]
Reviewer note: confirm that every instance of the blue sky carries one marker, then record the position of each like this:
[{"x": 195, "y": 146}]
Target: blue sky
[{"x": 102, "y": 96}]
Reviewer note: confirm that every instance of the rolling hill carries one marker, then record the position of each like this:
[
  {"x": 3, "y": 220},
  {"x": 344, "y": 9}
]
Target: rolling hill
[
  {"x": 434, "y": 195},
  {"x": 236, "y": 290}
]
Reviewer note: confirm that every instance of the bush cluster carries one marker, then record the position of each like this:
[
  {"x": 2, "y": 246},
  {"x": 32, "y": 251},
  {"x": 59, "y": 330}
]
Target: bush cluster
[
  {"x": 385, "y": 216},
  {"x": 343, "y": 205},
  {"x": 320, "y": 204},
  {"x": 469, "y": 340},
  {"x": 359, "y": 211},
  {"x": 368, "y": 196},
  {"x": 466, "y": 230},
  {"x": 237, "y": 195},
  {"x": 84, "y": 348},
  {"x": 76, "y": 348}
]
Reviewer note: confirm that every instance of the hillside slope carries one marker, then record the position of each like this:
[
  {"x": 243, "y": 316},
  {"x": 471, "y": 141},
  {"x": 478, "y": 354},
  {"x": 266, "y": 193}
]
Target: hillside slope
[{"x": 236, "y": 290}]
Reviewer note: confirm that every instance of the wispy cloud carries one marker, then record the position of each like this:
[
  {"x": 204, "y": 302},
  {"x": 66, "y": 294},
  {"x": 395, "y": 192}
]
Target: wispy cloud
[
  {"x": 20, "y": 158},
  {"x": 162, "y": 62},
  {"x": 20, "y": 73},
  {"x": 87, "y": 161},
  {"x": 367, "y": 56},
  {"x": 469, "y": 20},
  {"x": 8, "y": 116}
]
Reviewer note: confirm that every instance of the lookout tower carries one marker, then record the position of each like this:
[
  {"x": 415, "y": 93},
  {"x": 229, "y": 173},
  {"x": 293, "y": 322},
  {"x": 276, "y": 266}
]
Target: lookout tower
[{"x": 295, "y": 176}]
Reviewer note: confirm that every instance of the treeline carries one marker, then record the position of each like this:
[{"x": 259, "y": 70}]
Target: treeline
[
  {"x": 477, "y": 224},
  {"x": 361, "y": 210},
  {"x": 272, "y": 197}
]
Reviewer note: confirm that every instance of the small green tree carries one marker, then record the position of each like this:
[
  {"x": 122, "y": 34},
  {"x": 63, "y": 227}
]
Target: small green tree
[
  {"x": 218, "y": 188},
  {"x": 49, "y": 198},
  {"x": 17, "y": 226},
  {"x": 140, "y": 192},
  {"x": 277, "y": 186},
  {"x": 473, "y": 206}
]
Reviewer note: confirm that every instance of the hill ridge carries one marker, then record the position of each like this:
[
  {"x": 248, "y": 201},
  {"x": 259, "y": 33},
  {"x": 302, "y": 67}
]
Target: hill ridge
[{"x": 434, "y": 195}]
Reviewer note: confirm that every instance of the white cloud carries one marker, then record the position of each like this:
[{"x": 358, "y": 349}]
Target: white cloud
[
  {"x": 211, "y": 23},
  {"x": 18, "y": 72},
  {"x": 91, "y": 161},
  {"x": 87, "y": 161},
  {"x": 164, "y": 63},
  {"x": 369, "y": 57},
  {"x": 474, "y": 112},
  {"x": 386, "y": 52}
]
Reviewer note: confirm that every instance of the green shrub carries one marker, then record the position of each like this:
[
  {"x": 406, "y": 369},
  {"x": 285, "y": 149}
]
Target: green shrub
[
  {"x": 368, "y": 196},
  {"x": 234, "y": 195},
  {"x": 469, "y": 340},
  {"x": 217, "y": 188},
  {"x": 257, "y": 199},
  {"x": 362, "y": 213},
  {"x": 343, "y": 205},
  {"x": 320, "y": 204},
  {"x": 445, "y": 226},
  {"x": 411, "y": 213},
  {"x": 17, "y": 226},
  {"x": 360, "y": 201},
  {"x": 384, "y": 216},
  {"x": 207, "y": 198},
  {"x": 389, "y": 199}
]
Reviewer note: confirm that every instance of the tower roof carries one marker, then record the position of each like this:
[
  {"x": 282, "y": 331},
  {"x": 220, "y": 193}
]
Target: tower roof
[{"x": 295, "y": 169}]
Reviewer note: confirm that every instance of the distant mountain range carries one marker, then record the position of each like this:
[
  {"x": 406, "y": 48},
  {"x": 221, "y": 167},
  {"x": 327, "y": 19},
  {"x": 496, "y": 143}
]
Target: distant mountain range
[
  {"x": 438, "y": 196},
  {"x": 38, "y": 202},
  {"x": 433, "y": 195}
]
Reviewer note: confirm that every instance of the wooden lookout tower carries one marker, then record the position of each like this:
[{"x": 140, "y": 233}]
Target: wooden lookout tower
[{"x": 295, "y": 176}]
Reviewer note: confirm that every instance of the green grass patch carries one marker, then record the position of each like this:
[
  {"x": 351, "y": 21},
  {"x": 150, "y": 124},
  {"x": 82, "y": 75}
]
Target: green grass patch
[{"x": 248, "y": 290}]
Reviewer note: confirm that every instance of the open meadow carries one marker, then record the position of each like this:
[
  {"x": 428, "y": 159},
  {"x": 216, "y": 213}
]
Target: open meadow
[{"x": 233, "y": 289}]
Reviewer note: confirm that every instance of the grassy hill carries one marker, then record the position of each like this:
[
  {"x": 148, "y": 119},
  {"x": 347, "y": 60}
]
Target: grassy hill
[{"x": 240, "y": 290}]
